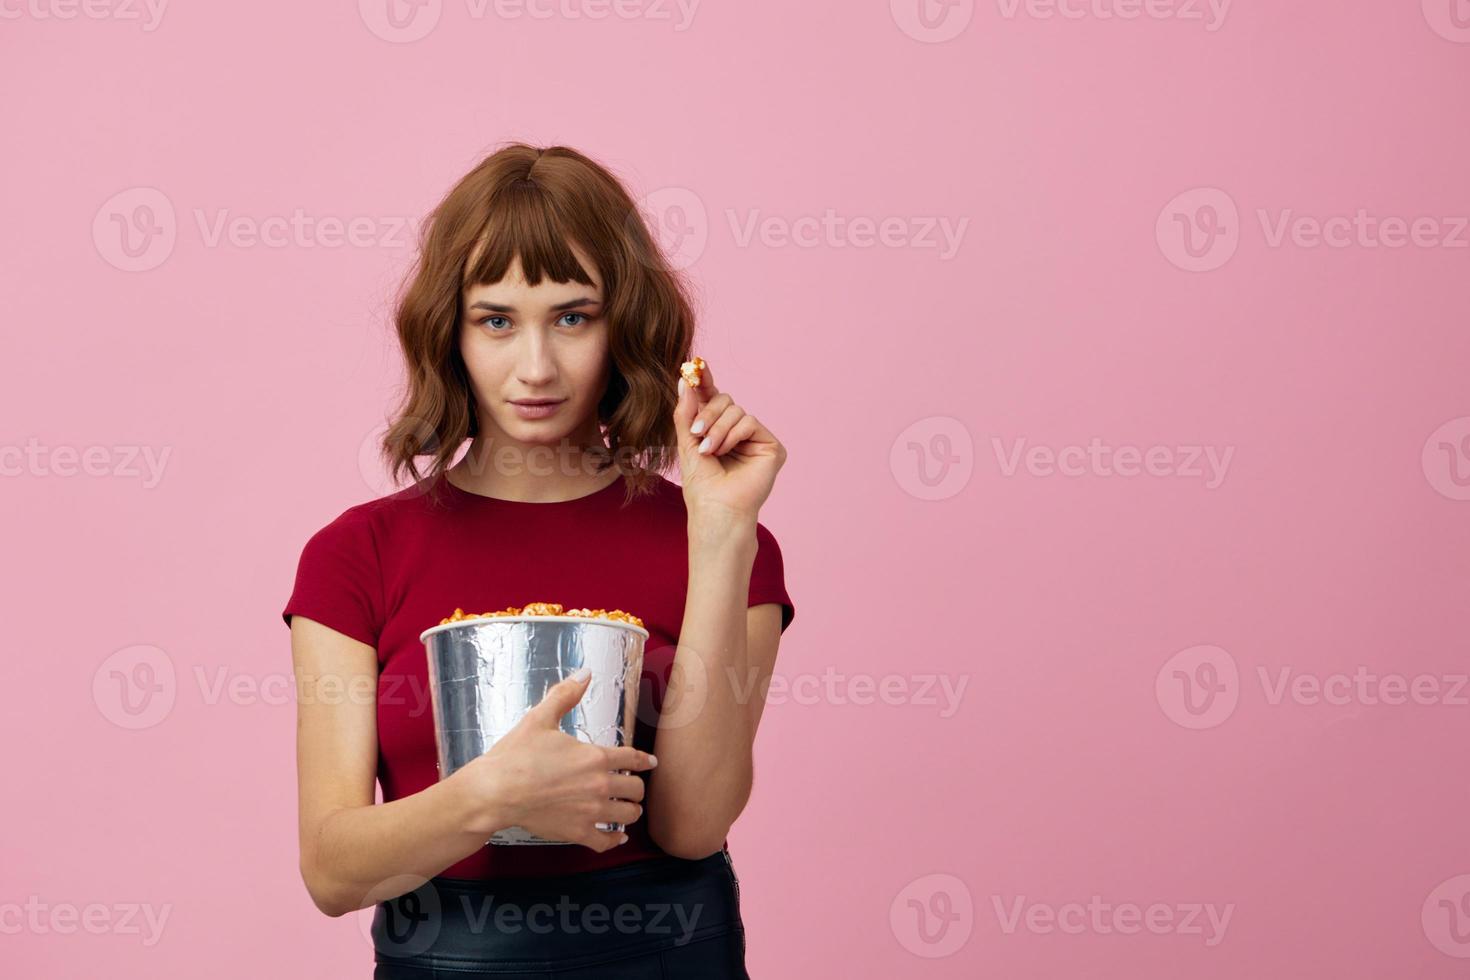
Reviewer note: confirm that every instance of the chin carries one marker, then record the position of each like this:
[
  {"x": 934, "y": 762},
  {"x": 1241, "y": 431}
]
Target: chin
[{"x": 548, "y": 433}]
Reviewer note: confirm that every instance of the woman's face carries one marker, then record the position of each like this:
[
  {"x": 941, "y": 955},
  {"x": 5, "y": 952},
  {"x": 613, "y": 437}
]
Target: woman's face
[{"x": 537, "y": 343}]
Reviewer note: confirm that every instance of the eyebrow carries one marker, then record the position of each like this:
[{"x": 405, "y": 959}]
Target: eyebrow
[{"x": 502, "y": 308}]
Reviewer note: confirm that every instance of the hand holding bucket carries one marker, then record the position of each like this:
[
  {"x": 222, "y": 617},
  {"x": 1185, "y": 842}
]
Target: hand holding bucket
[{"x": 543, "y": 749}]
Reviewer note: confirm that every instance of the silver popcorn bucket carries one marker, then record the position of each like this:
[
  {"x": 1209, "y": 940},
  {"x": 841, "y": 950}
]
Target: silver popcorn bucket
[{"x": 486, "y": 673}]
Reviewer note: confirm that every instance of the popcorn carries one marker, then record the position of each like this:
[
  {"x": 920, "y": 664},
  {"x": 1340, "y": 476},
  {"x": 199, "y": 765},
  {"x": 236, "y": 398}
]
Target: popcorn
[
  {"x": 545, "y": 609},
  {"x": 692, "y": 372}
]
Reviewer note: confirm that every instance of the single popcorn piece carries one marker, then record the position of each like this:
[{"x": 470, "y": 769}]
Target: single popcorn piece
[
  {"x": 692, "y": 372},
  {"x": 545, "y": 609}
]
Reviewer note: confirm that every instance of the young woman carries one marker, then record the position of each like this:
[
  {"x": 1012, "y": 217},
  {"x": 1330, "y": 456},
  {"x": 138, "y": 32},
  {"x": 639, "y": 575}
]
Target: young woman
[{"x": 542, "y": 325}]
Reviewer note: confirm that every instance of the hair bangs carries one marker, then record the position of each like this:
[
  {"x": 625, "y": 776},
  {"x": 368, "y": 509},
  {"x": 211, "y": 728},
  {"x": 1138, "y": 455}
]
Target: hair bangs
[{"x": 523, "y": 222}]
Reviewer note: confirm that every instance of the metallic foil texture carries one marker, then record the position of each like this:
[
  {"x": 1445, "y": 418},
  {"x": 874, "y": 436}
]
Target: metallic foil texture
[{"x": 485, "y": 674}]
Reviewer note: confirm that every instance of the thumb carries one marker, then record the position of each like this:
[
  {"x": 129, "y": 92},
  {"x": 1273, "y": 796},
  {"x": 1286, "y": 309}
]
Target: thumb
[
  {"x": 560, "y": 698},
  {"x": 686, "y": 407}
]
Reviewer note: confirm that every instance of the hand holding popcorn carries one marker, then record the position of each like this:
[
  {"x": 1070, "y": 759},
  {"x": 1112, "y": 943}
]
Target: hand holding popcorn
[{"x": 728, "y": 460}]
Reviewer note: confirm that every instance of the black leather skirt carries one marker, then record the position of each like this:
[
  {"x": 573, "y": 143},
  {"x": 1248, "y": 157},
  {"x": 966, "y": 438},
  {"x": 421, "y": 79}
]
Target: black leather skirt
[{"x": 659, "y": 918}]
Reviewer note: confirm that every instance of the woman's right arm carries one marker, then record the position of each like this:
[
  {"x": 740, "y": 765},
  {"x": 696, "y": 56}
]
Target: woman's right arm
[{"x": 536, "y": 777}]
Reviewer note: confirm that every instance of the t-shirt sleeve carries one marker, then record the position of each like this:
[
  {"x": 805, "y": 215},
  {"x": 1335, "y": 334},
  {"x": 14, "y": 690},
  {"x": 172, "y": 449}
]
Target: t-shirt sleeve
[
  {"x": 339, "y": 581},
  {"x": 768, "y": 576}
]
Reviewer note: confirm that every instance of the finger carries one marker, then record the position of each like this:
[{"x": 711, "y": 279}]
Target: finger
[
  {"x": 559, "y": 699},
  {"x": 619, "y": 811},
  {"x": 709, "y": 414},
  {"x": 627, "y": 757},
  {"x": 686, "y": 406},
  {"x": 627, "y": 788},
  {"x": 602, "y": 840},
  {"x": 748, "y": 427},
  {"x": 721, "y": 429}
]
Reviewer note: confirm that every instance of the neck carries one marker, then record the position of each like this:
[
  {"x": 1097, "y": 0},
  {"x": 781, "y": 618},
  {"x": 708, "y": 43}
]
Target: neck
[{"x": 496, "y": 465}]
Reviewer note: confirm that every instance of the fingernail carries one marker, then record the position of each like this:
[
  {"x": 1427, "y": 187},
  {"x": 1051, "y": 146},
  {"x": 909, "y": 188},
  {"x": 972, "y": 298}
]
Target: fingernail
[
  {"x": 623, "y": 839},
  {"x": 697, "y": 427},
  {"x": 581, "y": 673},
  {"x": 652, "y": 759},
  {"x": 681, "y": 387},
  {"x": 704, "y": 446}
]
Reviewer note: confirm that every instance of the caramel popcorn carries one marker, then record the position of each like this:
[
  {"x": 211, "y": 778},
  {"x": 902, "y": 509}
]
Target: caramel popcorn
[
  {"x": 692, "y": 372},
  {"x": 545, "y": 609}
]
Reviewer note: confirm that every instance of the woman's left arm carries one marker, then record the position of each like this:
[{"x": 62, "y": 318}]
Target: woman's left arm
[{"x": 726, "y": 651}]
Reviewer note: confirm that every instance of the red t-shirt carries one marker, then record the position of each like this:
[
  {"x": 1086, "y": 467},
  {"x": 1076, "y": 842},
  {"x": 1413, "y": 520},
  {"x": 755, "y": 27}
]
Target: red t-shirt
[{"x": 386, "y": 570}]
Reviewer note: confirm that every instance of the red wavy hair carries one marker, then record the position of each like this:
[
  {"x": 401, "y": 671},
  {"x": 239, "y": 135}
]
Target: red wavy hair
[{"x": 532, "y": 203}]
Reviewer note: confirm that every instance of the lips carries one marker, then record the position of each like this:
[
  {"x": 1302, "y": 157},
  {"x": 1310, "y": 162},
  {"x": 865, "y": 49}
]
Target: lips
[{"x": 537, "y": 401}]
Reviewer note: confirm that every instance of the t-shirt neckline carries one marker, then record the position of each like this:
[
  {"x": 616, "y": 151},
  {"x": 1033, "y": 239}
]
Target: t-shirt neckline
[{"x": 478, "y": 498}]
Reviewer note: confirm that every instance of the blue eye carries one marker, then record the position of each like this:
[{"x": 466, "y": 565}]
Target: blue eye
[{"x": 505, "y": 322}]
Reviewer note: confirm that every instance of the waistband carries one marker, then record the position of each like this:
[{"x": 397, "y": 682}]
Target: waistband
[{"x": 566, "y": 921}]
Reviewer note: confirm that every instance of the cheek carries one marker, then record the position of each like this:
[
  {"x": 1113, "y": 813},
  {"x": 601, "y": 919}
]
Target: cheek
[
  {"x": 483, "y": 365},
  {"x": 593, "y": 367}
]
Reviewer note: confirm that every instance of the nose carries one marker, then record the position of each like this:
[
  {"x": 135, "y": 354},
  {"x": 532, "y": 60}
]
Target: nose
[{"x": 535, "y": 366}]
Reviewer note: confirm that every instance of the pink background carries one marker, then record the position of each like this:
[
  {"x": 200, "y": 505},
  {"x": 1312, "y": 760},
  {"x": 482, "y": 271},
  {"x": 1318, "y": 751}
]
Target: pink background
[{"x": 1080, "y": 611}]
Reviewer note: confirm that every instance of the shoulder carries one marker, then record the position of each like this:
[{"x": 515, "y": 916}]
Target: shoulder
[{"x": 363, "y": 524}]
